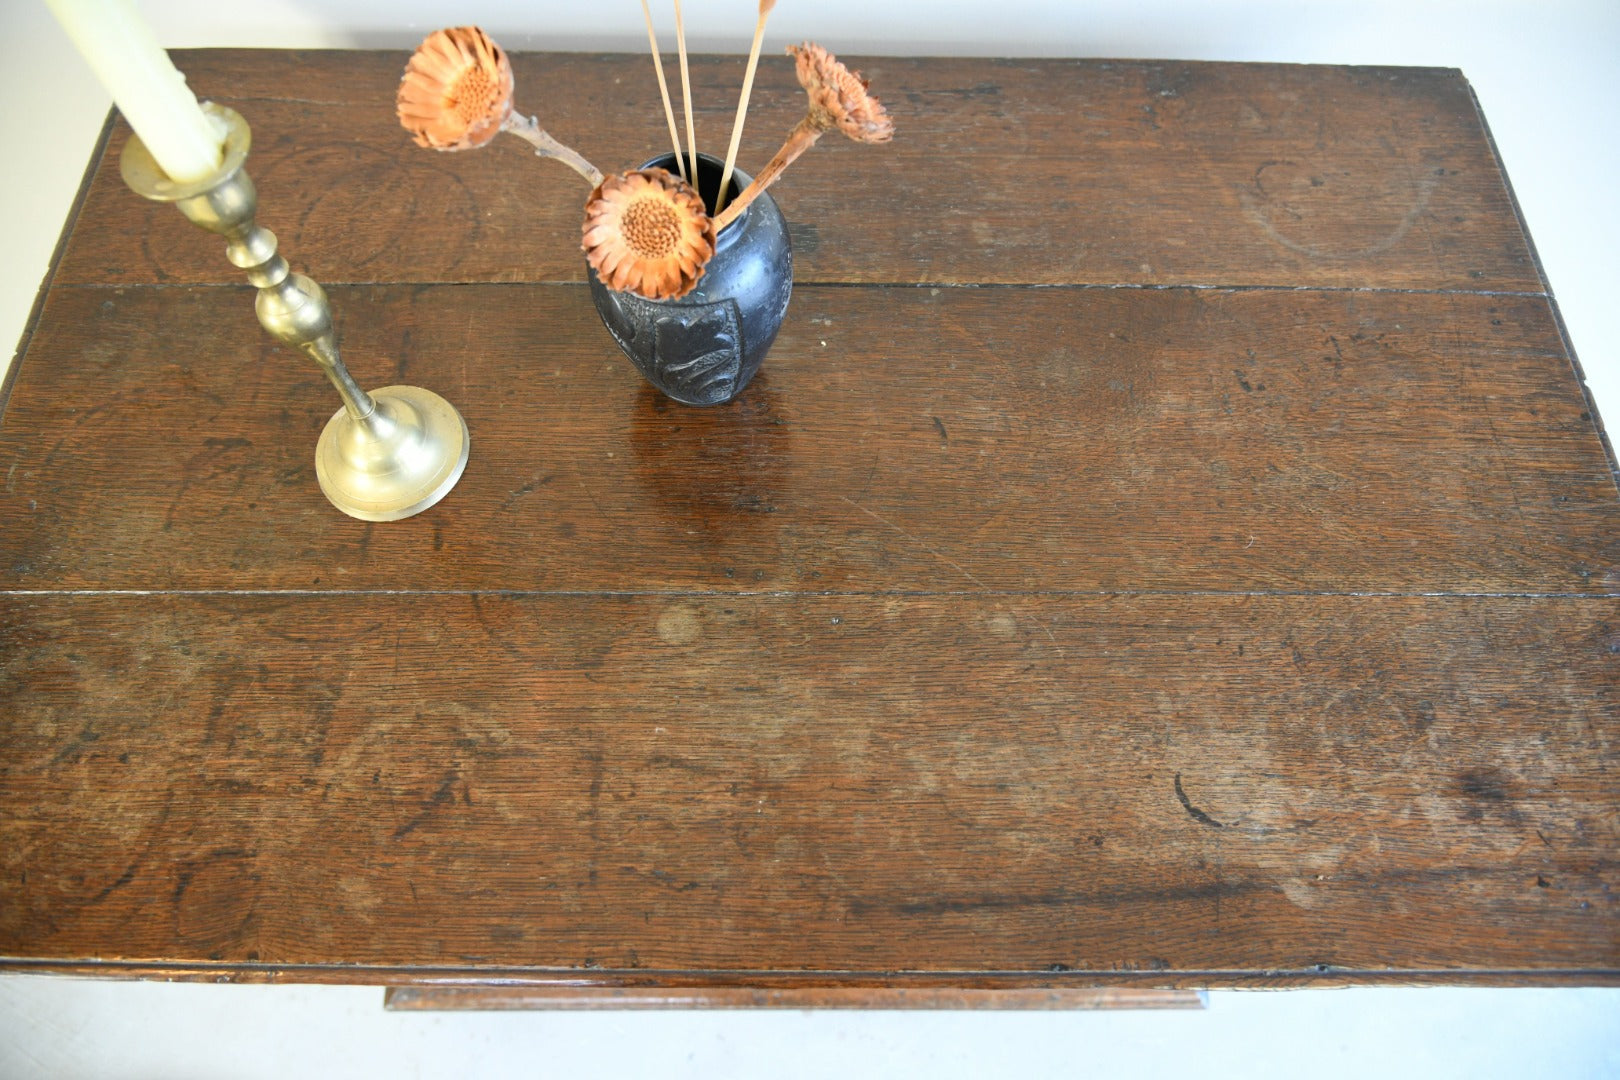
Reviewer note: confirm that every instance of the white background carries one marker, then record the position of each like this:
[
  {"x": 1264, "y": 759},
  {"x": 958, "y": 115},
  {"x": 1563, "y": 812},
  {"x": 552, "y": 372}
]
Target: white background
[{"x": 1548, "y": 77}]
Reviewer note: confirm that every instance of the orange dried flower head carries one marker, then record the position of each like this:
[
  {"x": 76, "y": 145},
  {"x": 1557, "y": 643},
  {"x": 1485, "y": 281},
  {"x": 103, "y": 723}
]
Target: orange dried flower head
[
  {"x": 838, "y": 96},
  {"x": 646, "y": 231},
  {"x": 457, "y": 90}
]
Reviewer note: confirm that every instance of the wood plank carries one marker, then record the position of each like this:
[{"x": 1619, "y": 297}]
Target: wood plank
[
  {"x": 897, "y": 440},
  {"x": 1003, "y": 171},
  {"x": 1261, "y": 786},
  {"x": 509, "y": 999}
]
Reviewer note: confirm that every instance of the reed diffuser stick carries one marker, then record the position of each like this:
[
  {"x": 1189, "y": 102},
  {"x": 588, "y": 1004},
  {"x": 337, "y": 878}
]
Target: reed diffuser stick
[
  {"x": 686, "y": 92},
  {"x": 765, "y": 7},
  {"x": 663, "y": 90}
]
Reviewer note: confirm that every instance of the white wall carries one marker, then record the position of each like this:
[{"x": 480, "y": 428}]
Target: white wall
[{"x": 75, "y": 1028}]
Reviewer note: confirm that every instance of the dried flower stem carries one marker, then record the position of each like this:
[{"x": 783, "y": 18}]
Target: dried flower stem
[
  {"x": 663, "y": 89},
  {"x": 801, "y": 138},
  {"x": 765, "y": 7},
  {"x": 529, "y": 130},
  {"x": 686, "y": 90}
]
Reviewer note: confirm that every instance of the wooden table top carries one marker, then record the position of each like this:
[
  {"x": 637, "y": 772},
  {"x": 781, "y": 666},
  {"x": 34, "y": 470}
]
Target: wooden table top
[{"x": 1168, "y": 545}]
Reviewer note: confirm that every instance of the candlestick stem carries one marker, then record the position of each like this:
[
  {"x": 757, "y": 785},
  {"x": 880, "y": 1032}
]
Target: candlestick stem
[{"x": 385, "y": 455}]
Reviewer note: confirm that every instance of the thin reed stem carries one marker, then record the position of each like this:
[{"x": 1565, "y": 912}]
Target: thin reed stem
[
  {"x": 742, "y": 103},
  {"x": 686, "y": 90},
  {"x": 663, "y": 90}
]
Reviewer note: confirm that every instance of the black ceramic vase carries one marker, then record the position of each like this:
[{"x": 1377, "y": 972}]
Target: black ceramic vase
[{"x": 704, "y": 348}]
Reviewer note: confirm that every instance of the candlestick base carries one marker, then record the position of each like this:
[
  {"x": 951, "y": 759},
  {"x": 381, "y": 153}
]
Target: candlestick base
[
  {"x": 401, "y": 459},
  {"x": 384, "y": 456}
]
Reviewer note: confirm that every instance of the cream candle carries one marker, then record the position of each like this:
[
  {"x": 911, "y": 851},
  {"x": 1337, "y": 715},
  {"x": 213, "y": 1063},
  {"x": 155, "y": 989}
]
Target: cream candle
[{"x": 148, "y": 89}]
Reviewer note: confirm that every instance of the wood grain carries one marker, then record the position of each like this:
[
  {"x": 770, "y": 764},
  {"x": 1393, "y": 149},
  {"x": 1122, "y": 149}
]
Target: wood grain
[
  {"x": 506, "y": 999},
  {"x": 1098, "y": 172},
  {"x": 972, "y": 784},
  {"x": 1006, "y": 440},
  {"x": 1183, "y": 556}
]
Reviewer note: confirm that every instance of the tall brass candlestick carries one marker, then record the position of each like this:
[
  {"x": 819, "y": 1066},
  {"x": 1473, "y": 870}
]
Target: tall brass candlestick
[{"x": 385, "y": 455}]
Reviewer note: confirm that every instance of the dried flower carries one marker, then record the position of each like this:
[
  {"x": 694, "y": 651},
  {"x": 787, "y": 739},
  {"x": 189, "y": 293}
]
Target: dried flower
[
  {"x": 838, "y": 99},
  {"x": 457, "y": 90},
  {"x": 646, "y": 231},
  {"x": 456, "y": 94},
  {"x": 838, "y": 96}
]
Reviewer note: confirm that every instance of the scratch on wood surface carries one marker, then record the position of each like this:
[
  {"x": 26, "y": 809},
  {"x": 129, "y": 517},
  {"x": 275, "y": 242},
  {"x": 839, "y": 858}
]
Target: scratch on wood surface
[
  {"x": 1193, "y": 811},
  {"x": 533, "y": 484},
  {"x": 443, "y": 796},
  {"x": 393, "y": 682},
  {"x": 932, "y": 551},
  {"x": 592, "y": 500}
]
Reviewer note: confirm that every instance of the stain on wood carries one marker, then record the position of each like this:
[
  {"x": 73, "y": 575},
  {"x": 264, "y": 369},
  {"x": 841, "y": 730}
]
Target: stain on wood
[{"x": 1132, "y": 632}]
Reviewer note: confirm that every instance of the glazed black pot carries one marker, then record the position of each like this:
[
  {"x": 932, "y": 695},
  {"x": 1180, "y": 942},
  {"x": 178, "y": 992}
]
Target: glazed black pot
[{"x": 704, "y": 348}]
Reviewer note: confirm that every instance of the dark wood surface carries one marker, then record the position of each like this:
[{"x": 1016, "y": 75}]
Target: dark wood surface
[
  {"x": 1085, "y": 439},
  {"x": 1168, "y": 545},
  {"x": 1165, "y": 174}
]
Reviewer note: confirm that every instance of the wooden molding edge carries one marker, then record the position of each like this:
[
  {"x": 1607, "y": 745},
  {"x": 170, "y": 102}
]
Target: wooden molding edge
[{"x": 504, "y": 999}]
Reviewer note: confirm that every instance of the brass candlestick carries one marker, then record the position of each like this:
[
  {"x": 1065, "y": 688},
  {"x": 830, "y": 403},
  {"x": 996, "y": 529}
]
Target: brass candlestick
[{"x": 385, "y": 455}]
